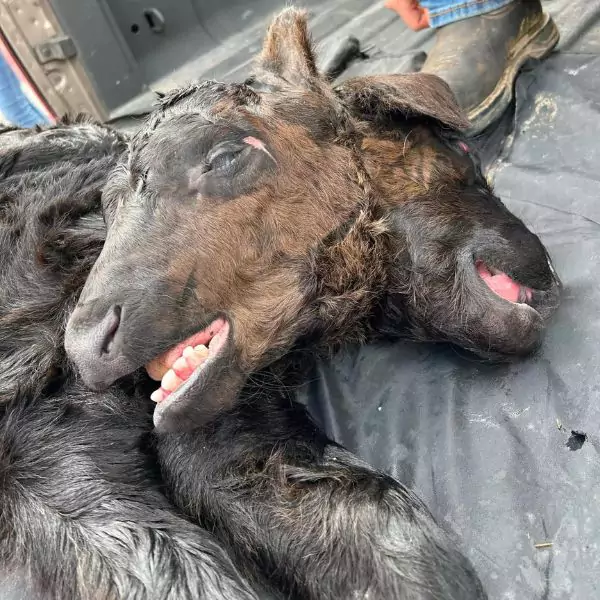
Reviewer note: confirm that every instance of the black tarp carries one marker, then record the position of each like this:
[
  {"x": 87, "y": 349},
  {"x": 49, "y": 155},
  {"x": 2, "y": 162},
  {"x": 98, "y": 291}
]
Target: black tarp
[{"x": 491, "y": 448}]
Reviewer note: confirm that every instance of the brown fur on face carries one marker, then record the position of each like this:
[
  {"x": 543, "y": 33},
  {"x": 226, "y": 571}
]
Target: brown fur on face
[
  {"x": 354, "y": 211},
  {"x": 414, "y": 171}
]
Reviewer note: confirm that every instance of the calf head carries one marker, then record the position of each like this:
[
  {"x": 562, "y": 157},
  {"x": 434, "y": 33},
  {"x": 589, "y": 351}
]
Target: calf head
[{"x": 249, "y": 217}]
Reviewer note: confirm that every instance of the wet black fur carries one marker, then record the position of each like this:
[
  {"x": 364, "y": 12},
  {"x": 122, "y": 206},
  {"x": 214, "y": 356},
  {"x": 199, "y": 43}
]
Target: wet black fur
[{"x": 82, "y": 507}]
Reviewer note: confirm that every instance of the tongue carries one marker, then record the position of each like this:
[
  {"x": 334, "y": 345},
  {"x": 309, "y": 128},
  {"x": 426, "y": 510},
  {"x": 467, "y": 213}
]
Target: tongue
[{"x": 500, "y": 283}]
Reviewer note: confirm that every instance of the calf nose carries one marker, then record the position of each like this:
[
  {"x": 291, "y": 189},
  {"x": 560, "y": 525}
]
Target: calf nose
[
  {"x": 92, "y": 343},
  {"x": 108, "y": 328}
]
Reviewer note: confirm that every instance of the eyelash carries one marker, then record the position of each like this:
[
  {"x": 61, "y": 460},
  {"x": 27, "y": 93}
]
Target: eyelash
[
  {"x": 225, "y": 155},
  {"x": 224, "y": 159}
]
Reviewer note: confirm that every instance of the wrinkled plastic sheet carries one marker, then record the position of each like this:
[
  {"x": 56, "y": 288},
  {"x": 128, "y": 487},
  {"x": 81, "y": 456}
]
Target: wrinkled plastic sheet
[{"x": 507, "y": 457}]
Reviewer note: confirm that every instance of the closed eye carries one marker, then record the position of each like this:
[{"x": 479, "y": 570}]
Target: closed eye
[
  {"x": 223, "y": 158},
  {"x": 230, "y": 167}
]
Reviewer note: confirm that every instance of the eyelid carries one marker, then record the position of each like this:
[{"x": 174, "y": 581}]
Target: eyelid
[{"x": 224, "y": 148}]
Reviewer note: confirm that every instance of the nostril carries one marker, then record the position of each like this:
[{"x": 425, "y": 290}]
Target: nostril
[{"x": 112, "y": 322}]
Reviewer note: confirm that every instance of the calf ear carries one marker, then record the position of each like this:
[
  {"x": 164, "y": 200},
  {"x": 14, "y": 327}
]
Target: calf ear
[
  {"x": 287, "y": 50},
  {"x": 409, "y": 95}
]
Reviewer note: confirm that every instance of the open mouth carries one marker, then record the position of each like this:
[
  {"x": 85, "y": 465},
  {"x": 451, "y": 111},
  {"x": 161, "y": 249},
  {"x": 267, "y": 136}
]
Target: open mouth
[
  {"x": 503, "y": 285},
  {"x": 180, "y": 367}
]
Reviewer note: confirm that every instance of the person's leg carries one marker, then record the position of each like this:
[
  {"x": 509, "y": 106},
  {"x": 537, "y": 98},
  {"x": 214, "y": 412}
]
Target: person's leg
[
  {"x": 443, "y": 12},
  {"x": 480, "y": 47},
  {"x": 437, "y": 13}
]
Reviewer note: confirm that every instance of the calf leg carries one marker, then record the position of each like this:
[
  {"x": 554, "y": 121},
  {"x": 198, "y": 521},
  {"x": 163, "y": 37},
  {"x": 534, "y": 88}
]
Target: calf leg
[{"x": 307, "y": 514}]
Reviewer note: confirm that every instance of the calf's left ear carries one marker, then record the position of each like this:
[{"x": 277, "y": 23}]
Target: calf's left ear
[{"x": 407, "y": 95}]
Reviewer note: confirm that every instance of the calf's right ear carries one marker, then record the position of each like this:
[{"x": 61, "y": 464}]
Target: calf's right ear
[
  {"x": 287, "y": 51},
  {"x": 408, "y": 95}
]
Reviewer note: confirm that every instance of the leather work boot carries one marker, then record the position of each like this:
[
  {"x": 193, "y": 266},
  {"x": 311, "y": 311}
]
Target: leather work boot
[{"x": 480, "y": 57}]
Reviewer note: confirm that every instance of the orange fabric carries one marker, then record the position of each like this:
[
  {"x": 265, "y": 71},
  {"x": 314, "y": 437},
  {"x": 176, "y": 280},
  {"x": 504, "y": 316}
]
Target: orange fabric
[{"x": 411, "y": 13}]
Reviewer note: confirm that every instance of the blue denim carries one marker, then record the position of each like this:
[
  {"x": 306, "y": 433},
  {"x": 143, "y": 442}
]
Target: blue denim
[
  {"x": 442, "y": 12},
  {"x": 14, "y": 104}
]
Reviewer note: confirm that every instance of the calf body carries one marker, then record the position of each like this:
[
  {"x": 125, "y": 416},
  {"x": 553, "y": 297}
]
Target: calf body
[
  {"x": 83, "y": 479},
  {"x": 330, "y": 525},
  {"x": 83, "y": 513}
]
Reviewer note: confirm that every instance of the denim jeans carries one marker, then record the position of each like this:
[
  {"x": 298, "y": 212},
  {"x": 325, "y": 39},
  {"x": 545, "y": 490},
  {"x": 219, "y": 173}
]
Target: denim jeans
[
  {"x": 15, "y": 106},
  {"x": 442, "y": 12}
]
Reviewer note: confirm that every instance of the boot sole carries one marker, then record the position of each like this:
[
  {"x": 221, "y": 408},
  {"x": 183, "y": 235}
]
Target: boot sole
[{"x": 537, "y": 43}]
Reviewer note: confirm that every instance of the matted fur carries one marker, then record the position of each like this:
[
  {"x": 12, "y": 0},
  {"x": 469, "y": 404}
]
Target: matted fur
[{"x": 82, "y": 509}]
